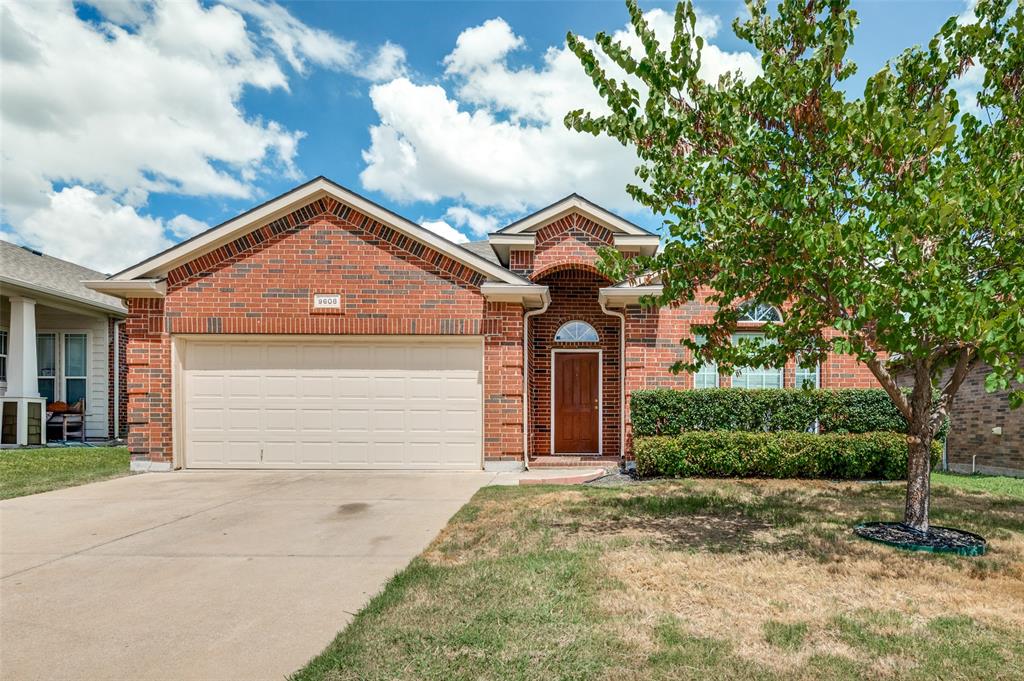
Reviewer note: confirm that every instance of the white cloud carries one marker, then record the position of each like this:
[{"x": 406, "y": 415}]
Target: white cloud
[
  {"x": 482, "y": 46},
  {"x": 479, "y": 225},
  {"x": 387, "y": 64},
  {"x": 146, "y": 100},
  {"x": 442, "y": 228},
  {"x": 295, "y": 40},
  {"x": 497, "y": 140},
  {"x": 91, "y": 229},
  {"x": 184, "y": 226}
]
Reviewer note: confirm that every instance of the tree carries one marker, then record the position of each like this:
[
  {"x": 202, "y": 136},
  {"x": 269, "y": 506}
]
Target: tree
[{"x": 887, "y": 225}]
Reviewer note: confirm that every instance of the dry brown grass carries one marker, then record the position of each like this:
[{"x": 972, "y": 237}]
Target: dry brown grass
[
  {"x": 726, "y": 574},
  {"x": 705, "y": 579}
]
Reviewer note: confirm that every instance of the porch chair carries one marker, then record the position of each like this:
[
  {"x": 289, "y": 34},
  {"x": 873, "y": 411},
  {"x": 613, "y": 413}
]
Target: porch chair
[{"x": 70, "y": 419}]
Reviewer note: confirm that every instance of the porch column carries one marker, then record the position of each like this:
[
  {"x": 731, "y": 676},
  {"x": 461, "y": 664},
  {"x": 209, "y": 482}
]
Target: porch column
[{"x": 22, "y": 366}]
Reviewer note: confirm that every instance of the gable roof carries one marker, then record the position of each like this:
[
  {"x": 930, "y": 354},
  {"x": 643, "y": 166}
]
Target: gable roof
[
  {"x": 484, "y": 250},
  {"x": 575, "y": 203},
  {"x": 29, "y": 269},
  {"x": 157, "y": 266}
]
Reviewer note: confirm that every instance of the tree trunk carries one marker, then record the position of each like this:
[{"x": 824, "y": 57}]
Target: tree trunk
[{"x": 918, "y": 481}]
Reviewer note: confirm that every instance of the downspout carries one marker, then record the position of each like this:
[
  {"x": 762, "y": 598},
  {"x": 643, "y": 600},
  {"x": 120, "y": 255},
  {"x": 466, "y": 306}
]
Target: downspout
[
  {"x": 117, "y": 379},
  {"x": 622, "y": 378},
  {"x": 526, "y": 378}
]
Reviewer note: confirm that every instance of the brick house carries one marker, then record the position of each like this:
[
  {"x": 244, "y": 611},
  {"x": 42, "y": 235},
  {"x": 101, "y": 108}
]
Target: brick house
[
  {"x": 320, "y": 330},
  {"x": 985, "y": 435}
]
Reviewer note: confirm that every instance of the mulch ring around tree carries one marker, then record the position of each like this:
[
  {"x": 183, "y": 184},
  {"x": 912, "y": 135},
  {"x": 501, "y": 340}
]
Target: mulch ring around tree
[{"x": 936, "y": 540}]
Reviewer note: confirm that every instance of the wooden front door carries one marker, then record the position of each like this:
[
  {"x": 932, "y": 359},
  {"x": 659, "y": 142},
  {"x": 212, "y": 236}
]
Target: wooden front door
[{"x": 577, "y": 389}]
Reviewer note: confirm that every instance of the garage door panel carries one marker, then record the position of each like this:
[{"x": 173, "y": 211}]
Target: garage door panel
[
  {"x": 317, "y": 387},
  {"x": 280, "y": 387},
  {"x": 390, "y": 403},
  {"x": 423, "y": 420},
  {"x": 388, "y": 387},
  {"x": 388, "y": 421},
  {"x": 241, "y": 419},
  {"x": 464, "y": 421},
  {"x": 280, "y": 420},
  {"x": 242, "y": 452},
  {"x": 349, "y": 386},
  {"x": 388, "y": 452},
  {"x": 244, "y": 356},
  {"x": 240, "y": 387}
]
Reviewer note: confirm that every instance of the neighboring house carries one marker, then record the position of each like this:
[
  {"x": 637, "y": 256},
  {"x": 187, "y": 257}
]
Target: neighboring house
[
  {"x": 985, "y": 435},
  {"x": 320, "y": 330},
  {"x": 59, "y": 341}
]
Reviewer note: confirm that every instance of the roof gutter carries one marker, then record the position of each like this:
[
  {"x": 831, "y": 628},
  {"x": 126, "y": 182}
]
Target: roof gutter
[
  {"x": 130, "y": 288},
  {"x": 55, "y": 293}
]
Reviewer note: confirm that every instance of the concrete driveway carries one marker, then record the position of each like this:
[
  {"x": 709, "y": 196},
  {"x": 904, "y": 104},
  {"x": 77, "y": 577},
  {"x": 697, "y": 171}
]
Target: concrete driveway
[{"x": 205, "y": 575}]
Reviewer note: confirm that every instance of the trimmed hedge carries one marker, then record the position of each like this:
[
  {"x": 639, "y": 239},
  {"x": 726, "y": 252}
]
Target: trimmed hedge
[
  {"x": 834, "y": 456},
  {"x": 669, "y": 412}
]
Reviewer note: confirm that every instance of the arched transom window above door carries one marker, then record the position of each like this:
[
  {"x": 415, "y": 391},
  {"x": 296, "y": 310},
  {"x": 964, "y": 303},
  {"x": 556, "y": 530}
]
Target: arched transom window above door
[
  {"x": 759, "y": 313},
  {"x": 576, "y": 332}
]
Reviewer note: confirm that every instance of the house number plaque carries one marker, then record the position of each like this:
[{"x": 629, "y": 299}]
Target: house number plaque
[{"x": 326, "y": 301}]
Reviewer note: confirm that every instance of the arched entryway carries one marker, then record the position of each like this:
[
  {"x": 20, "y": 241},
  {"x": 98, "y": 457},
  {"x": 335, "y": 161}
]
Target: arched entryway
[{"x": 574, "y": 405}]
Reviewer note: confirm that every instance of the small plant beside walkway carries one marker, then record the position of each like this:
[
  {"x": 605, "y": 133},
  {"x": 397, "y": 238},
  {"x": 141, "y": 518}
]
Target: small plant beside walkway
[{"x": 29, "y": 471}]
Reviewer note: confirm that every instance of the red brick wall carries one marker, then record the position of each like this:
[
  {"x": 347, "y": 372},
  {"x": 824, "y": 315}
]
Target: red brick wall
[
  {"x": 149, "y": 381},
  {"x": 571, "y": 241},
  {"x": 117, "y": 389},
  {"x": 573, "y": 296},
  {"x": 975, "y": 413},
  {"x": 264, "y": 283},
  {"x": 652, "y": 347}
]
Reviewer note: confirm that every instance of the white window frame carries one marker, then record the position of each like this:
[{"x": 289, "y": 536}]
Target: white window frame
[
  {"x": 59, "y": 374},
  {"x": 5, "y": 349},
  {"x": 708, "y": 368},
  {"x": 65, "y": 377},
  {"x": 756, "y": 306},
  {"x": 798, "y": 382},
  {"x": 589, "y": 327},
  {"x": 752, "y": 371},
  {"x": 56, "y": 363}
]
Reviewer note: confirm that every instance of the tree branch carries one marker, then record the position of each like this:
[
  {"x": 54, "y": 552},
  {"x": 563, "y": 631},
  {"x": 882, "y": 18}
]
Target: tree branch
[
  {"x": 960, "y": 371},
  {"x": 888, "y": 383}
]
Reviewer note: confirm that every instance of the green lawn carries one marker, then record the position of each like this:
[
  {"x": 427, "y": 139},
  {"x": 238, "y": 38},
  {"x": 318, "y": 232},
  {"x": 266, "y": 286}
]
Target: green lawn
[
  {"x": 695, "y": 579},
  {"x": 991, "y": 484},
  {"x": 28, "y": 471}
]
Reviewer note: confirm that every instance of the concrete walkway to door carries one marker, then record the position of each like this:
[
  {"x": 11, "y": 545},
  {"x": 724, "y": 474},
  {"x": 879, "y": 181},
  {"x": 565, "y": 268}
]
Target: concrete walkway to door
[{"x": 205, "y": 575}]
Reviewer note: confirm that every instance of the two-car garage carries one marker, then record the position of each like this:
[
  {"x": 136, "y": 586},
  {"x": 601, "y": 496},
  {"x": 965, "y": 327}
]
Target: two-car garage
[{"x": 330, "y": 402}]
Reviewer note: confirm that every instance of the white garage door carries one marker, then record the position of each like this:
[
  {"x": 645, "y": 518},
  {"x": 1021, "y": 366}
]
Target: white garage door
[{"x": 387, "y": 403}]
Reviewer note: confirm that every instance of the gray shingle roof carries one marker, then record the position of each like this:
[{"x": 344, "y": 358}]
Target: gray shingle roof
[
  {"x": 483, "y": 249},
  {"x": 52, "y": 275}
]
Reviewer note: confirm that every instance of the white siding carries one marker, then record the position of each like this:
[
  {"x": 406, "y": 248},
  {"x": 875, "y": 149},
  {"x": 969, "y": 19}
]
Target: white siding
[{"x": 59, "y": 321}]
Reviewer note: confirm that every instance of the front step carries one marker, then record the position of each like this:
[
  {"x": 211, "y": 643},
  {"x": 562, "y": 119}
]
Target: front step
[{"x": 610, "y": 463}]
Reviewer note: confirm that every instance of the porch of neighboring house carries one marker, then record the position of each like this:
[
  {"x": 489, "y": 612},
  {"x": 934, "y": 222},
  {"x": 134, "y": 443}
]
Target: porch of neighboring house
[{"x": 59, "y": 371}]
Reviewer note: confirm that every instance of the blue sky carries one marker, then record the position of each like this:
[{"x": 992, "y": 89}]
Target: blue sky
[{"x": 158, "y": 139}]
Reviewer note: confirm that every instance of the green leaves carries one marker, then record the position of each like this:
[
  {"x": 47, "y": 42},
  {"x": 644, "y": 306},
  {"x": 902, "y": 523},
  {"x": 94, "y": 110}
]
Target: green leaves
[{"x": 889, "y": 223}]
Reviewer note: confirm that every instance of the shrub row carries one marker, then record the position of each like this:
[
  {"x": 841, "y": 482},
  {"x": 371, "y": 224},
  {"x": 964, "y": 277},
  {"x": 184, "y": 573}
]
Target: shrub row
[
  {"x": 668, "y": 412},
  {"x": 834, "y": 456}
]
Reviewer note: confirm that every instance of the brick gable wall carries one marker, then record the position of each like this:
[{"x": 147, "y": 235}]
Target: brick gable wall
[
  {"x": 570, "y": 242},
  {"x": 263, "y": 283}
]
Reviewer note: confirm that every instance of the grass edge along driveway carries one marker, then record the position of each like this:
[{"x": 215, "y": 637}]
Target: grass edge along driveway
[
  {"x": 29, "y": 471},
  {"x": 712, "y": 579}
]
